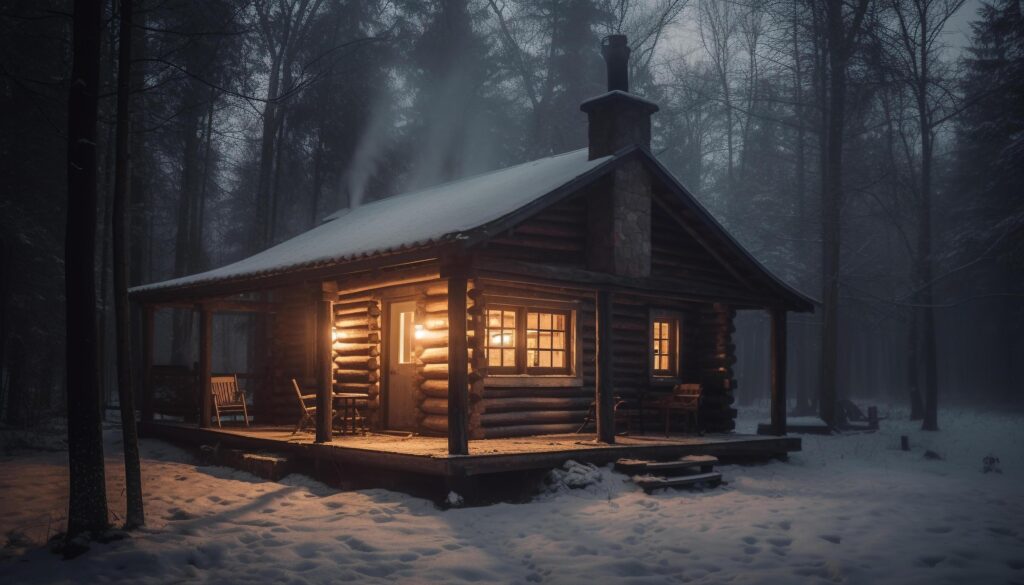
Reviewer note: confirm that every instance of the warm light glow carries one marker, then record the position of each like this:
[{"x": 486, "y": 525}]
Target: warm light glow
[
  {"x": 420, "y": 333},
  {"x": 337, "y": 334}
]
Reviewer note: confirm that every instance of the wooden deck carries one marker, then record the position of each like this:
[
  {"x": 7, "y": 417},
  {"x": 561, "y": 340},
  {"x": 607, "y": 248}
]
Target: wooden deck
[{"x": 429, "y": 455}]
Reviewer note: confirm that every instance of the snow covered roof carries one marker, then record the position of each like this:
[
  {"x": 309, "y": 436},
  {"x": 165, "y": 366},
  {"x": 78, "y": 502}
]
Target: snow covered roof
[{"x": 406, "y": 221}]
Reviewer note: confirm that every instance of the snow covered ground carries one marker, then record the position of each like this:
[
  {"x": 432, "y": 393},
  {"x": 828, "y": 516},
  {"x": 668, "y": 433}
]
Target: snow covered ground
[{"x": 848, "y": 509}]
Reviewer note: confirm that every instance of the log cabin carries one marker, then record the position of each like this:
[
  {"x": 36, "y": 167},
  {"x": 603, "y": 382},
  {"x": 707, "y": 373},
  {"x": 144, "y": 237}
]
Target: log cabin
[{"x": 518, "y": 302}]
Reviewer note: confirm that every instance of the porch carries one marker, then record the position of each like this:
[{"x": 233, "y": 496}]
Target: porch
[{"x": 429, "y": 456}]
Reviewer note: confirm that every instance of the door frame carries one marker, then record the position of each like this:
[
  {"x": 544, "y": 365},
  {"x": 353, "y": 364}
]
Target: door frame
[{"x": 385, "y": 354}]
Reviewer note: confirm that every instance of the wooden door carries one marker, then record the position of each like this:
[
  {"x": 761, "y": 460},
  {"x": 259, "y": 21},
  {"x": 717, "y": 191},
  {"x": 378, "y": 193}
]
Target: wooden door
[{"x": 401, "y": 366}]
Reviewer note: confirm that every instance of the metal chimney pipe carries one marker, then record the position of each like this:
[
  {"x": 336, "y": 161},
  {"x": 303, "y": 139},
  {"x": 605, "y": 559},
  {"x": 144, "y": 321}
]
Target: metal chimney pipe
[{"x": 616, "y": 57}]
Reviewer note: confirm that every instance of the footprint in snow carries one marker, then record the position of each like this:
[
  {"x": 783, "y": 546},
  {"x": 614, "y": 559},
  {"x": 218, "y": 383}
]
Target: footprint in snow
[
  {"x": 833, "y": 538},
  {"x": 780, "y": 541},
  {"x": 750, "y": 539},
  {"x": 931, "y": 560}
]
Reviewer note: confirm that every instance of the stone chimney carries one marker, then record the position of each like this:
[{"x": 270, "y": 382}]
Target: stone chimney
[
  {"x": 617, "y": 119},
  {"x": 619, "y": 213}
]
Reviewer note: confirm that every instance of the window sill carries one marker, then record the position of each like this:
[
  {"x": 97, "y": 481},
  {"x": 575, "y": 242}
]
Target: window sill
[{"x": 514, "y": 380}]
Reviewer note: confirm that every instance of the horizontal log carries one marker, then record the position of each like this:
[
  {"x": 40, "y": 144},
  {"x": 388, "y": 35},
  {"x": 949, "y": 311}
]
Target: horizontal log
[
  {"x": 356, "y": 349},
  {"x": 356, "y": 362},
  {"x": 436, "y": 306},
  {"x": 436, "y": 289},
  {"x": 358, "y": 376},
  {"x": 353, "y": 387},
  {"x": 348, "y": 306},
  {"x": 358, "y": 322},
  {"x": 435, "y": 423},
  {"x": 539, "y": 227},
  {"x": 539, "y": 392},
  {"x": 435, "y": 388},
  {"x": 369, "y": 337},
  {"x": 434, "y": 371},
  {"x": 349, "y": 297},
  {"x": 532, "y": 417},
  {"x": 520, "y": 403},
  {"x": 434, "y": 406},
  {"x": 528, "y": 430},
  {"x": 435, "y": 355},
  {"x": 435, "y": 323}
]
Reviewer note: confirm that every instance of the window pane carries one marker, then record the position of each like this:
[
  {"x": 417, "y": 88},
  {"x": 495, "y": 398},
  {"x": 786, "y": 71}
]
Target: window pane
[
  {"x": 531, "y": 321},
  {"x": 406, "y": 336},
  {"x": 531, "y": 338},
  {"x": 508, "y": 320},
  {"x": 558, "y": 340},
  {"x": 545, "y": 359},
  {"x": 558, "y": 359},
  {"x": 508, "y": 357}
]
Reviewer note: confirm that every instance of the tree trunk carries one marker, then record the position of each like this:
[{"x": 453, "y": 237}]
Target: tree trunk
[
  {"x": 266, "y": 170},
  {"x": 832, "y": 197},
  {"x": 125, "y": 389},
  {"x": 87, "y": 498}
]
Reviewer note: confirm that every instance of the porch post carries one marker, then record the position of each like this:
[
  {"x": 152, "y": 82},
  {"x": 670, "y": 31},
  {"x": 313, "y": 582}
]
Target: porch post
[
  {"x": 325, "y": 361},
  {"x": 147, "y": 363},
  {"x": 605, "y": 400},
  {"x": 205, "y": 366},
  {"x": 458, "y": 365},
  {"x": 778, "y": 371}
]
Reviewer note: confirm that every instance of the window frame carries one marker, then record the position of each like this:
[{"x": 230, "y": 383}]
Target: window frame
[
  {"x": 522, "y": 308},
  {"x": 675, "y": 321}
]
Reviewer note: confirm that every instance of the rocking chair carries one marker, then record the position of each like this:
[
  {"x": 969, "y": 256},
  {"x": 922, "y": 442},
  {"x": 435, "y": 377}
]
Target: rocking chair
[
  {"x": 228, "y": 398},
  {"x": 307, "y": 404}
]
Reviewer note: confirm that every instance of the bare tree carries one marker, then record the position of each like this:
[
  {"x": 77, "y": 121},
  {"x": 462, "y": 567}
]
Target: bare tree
[
  {"x": 841, "y": 28},
  {"x": 125, "y": 388},
  {"x": 916, "y": 47}
]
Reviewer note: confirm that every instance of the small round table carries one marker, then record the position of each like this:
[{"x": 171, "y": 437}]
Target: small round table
[{"x": 348, "y": 412}]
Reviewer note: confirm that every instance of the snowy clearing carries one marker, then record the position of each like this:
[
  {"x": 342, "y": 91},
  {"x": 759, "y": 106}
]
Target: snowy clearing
[{"x": 849, "y": 509}]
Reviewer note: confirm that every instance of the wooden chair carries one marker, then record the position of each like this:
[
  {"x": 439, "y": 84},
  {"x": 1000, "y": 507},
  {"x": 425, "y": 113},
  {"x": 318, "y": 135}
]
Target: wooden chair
[
  {"x": 307, "y": 403},
  {"x": 685, "y": 399},
  {"x": 228, "y": 398},
  {"x": 591, "y": 416}
]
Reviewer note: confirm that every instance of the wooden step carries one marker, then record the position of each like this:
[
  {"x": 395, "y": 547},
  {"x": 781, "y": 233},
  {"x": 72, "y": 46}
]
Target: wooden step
[
  {"x": 651, "y": 482},
  {"x": 704, "y": 462}
]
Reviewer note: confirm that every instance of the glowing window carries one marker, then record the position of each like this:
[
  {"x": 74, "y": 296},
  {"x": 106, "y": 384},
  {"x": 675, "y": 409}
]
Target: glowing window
[
  {"x": 406, "y": 337},
  {"x": 528, "y": 340},
  {"x": 546, "y": 336},
  {"x": 500, "y": 340},
  {"x": 664, "y": 336}
]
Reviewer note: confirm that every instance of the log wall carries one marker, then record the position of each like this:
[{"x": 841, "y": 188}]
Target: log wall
[
  {"x": 676, "y": 254},
  {"x": 535, "y": 408},
  {"x": 431, "y": 395},
  {"x": 557, "y": 235},
  {"x": 356, "y": 348}
]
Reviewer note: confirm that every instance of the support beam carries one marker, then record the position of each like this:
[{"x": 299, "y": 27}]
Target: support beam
[
  {"x": 325, "y": 361},
  {"x": 205, "y": 366},
  {"x": 778, "y": 371},
  {"x": 147, "y": 362},
  {"x": 458, "y": 366},
  {"x": 605, "y": 399}
]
